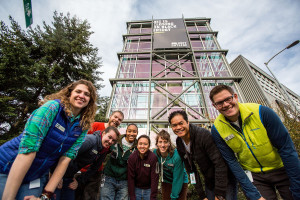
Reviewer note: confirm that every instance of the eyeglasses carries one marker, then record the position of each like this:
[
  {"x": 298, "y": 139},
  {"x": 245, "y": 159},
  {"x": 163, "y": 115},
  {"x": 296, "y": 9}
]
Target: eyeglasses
[{"x": 219, "y": 104}]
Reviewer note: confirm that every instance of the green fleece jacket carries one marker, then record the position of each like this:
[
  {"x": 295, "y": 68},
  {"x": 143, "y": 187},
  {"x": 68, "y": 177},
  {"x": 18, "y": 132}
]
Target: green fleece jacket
[
  {"x": 116, "y": 165},
  {"x": 172, "y": 171}
]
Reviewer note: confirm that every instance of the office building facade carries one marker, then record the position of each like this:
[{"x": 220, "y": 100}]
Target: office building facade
[{"x": 259, "y": 87}]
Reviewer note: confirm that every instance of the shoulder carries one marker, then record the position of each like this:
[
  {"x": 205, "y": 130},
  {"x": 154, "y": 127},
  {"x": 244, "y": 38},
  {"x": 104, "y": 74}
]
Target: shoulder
[
  {"x": 152, "y": 156},
  {"x": 51, "y": 104},
  {"x": 176, "y": 157}
]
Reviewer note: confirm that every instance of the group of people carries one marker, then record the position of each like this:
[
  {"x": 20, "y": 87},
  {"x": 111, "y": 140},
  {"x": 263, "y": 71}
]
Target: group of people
[{"x": 63, "y": 154}]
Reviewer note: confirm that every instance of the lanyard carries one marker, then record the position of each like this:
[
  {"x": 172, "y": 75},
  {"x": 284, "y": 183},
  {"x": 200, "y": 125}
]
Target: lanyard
[{"x": 162, "y": 168}]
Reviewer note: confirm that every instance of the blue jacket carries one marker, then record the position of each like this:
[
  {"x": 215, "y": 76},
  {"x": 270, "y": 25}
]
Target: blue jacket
[
  {"x": 90, "y": 153},
  {"x": 60, "y": 137},
  {"x": 280, "y": 139}
]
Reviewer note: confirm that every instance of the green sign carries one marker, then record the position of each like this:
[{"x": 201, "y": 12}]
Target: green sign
[{"x": 28, "y": 12}]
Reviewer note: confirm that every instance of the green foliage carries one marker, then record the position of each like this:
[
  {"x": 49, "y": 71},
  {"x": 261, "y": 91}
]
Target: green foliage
[
  {"x": 103, "y": 103},
  {"x": 293, "y": 126},
  {"x": 40, "y": 61}
]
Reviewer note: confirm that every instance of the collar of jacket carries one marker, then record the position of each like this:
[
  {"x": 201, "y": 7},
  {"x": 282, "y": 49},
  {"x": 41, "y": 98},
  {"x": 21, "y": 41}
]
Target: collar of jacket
[{"x": 98, "y": 135}]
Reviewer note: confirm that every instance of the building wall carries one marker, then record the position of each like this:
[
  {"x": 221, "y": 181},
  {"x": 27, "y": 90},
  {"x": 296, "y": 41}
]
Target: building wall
[{"x": 258, "y": 86}]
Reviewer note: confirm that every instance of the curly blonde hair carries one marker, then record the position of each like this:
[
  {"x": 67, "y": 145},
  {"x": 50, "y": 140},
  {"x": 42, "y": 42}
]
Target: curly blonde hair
[{"x": 88, "y": 113}]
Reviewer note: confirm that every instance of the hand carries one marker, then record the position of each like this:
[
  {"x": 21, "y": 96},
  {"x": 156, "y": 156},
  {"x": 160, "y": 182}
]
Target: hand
[
  {"x": 31, "y": 198},
  {"x": 261, "y": 198},
  {"x": 60, "y": 184},
  {"x": 74, "y": 184},
  {"x": 205, "y": 199}
]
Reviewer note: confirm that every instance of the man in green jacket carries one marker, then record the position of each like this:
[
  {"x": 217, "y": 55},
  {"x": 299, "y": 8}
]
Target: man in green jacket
[{"x": 115, "y": 170}]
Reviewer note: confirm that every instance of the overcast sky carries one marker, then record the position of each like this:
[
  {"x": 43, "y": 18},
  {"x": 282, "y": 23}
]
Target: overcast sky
[{"x": 255, "y": 29}]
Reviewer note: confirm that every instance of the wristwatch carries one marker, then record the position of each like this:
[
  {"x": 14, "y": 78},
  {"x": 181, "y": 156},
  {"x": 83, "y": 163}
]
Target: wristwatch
[{"x": 44, "y": 197}]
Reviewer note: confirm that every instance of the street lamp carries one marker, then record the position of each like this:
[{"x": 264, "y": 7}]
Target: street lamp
[{"x": 281, "y": 88}]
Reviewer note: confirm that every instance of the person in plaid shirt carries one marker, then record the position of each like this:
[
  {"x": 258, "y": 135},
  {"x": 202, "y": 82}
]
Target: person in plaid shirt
[{"x": 53, "y": 134}]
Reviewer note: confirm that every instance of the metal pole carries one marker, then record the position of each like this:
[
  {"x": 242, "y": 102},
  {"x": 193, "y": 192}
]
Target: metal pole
[{"x": 281, "y": 88}]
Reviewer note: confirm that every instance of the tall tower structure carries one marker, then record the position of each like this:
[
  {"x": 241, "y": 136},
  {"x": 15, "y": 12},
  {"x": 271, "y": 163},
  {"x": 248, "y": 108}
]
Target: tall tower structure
[{"x": 166, "y": 65}]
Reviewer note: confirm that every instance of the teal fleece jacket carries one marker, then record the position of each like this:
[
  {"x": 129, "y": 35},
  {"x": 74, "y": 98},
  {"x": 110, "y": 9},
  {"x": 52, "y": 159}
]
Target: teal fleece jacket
[{"x": 173, "y": 172}]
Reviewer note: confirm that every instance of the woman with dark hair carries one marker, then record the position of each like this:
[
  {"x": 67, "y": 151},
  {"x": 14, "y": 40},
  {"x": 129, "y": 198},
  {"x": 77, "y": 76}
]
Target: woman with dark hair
[
  {"x": 174, "y": 180},
  {"x": 53, "y": 134},
  {"x": 115, "y": 171},
  {"x": 143, "y": 172}
]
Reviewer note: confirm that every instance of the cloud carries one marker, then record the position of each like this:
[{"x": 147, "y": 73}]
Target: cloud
[{"x": 256, "y": 30}]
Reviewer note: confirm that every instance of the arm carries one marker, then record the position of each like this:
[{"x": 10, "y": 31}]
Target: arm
[
  {"x": 58, "y": 173},
  {"x": 178, "y": 177},
  {"x": 92, "y": 170},
  {"x": 228, "y": 155},
  {"x": 16, "y": 175},
  {"x": 131, "y": 176},
  {"x": 154, "y": 178},
  {"x": 282, "y": 141}
]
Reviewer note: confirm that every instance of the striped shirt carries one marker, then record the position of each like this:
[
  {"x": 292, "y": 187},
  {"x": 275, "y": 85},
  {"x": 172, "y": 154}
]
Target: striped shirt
[{"x": 38, "y": 125}]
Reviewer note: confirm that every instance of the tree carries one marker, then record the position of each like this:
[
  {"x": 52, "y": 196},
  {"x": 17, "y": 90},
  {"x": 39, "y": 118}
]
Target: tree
[
  {"x": 40, "y": 61},
  {"x": 103, "y": 103}
]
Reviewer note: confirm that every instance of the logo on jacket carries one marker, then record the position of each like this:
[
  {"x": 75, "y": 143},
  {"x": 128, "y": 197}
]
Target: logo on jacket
[
  {"x": 229, "y": 137},
  {"x": 60, "y": 127}
]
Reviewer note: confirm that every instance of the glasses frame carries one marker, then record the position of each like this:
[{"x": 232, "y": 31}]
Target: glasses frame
[{"x": 220, "y": 104}]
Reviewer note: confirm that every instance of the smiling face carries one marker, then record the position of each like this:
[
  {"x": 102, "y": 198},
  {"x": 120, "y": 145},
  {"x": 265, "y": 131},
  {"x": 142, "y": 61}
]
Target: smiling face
[
  {"x": 115, "y": 119},
  {"x": 179, "y": 126},
  {"x": 230, "y": 109},
  {"x": 109, "y": 138},
  {"x": 131, "y": 133},
  {"x": 163, "y": 146},
  {"x": 79, "y": 98},
  {"x": 143, "y": 145}
]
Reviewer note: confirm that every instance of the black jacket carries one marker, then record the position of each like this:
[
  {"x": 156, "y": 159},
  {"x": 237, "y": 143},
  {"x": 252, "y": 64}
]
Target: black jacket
[
  {"x": 88, "y": 154},
  {"x": 206, "y": 155}
]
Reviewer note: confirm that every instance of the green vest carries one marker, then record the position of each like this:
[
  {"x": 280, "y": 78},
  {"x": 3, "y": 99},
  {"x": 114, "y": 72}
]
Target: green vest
[{"x": 253, "y": 147}]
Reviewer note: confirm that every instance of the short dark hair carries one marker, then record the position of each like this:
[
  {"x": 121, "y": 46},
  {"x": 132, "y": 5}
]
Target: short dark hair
[
  {"x": 119, "y": 111},
  {"x": 112, "y": 128},
  {"x": 219, "y": 88},
  {"x": 145, "y": 136},
  {"x": 165, "y": 136},
  {"x": 178, "y": 112}
]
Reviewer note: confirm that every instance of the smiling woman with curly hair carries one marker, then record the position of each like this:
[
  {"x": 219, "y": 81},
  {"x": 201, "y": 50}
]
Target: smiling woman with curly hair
[{"x": 52, "y": 135}]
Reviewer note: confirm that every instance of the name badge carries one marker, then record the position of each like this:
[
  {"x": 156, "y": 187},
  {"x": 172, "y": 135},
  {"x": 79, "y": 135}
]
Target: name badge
[
  {"x": 147, "y": 165},
  {"x": 35, "y": 183},
  {"x": 171, "y": 165},
  {"x": 95, "y": 151},
  {"x": 60, "y": 127},
  {"x": 193, "y": 178},
  {"x": 229, "y": 137},
  {"x": 249, "y": 174}
]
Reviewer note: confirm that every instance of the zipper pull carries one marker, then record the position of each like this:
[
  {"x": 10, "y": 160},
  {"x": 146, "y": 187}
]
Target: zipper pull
[{"x": 60, "y": 148}]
